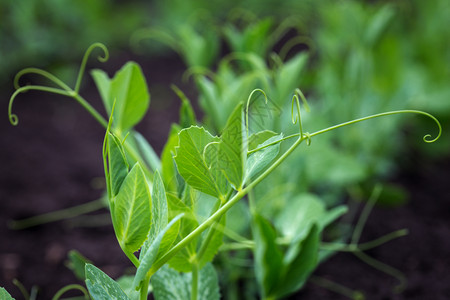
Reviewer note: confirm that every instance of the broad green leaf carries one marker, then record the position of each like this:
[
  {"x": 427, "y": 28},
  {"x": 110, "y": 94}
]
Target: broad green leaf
[
  {"x": 4, "y": 295},
  {"x": 258, "y": 138},
  {"x": 117, "y": 163},
  {"x": 132, "y": 210},
  {"x": 298, "y": 267},
  {"x": 303, "y": 211},
  {"x": 168, "y": 169},
  {"x": 191, "y": 161},
  {"x": 181, "y": 261},
  {"x": 268, "y": 257},
  {"x": 214, "y": 243},
  {"x": 151, "y": 253},
  {"x": 160, "y": 217},
  {"x": 77, "y": 263},
  {"x": 101, "y": 286},
  {"x": 129, "y": 91},
  {"x": 103, "y": 83},
  {"x": 168, "y": 284},
  {"x": 160, "y": 214},
  {"x": 213, "y": 158},
  {"x": 208, "y": 284},
  {"x": 233, "y": 148},
  {"x": 258, "y": 160}
]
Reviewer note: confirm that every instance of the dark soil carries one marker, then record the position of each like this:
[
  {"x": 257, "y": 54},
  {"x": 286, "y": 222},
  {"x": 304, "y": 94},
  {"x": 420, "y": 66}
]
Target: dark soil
[{"x": 52, "y": 160}]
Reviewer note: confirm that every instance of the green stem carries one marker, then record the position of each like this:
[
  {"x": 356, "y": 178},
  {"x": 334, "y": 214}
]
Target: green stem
[
  {"x": 143, "y": 293},
  {"x": 58, "y": 215},
  {"x": 194, "y": 286},
  {"x": 97, "y": 116},
  {"x": 131, "y": 257},
  {"x": 43, "y": 73}
]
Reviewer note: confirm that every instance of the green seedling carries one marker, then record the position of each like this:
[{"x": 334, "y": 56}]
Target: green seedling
[{"x": 170, "y": 220}]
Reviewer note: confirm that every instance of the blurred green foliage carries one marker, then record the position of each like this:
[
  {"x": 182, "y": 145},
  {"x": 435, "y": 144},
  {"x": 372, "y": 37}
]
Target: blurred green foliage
[{"x": 51, "y": 32}]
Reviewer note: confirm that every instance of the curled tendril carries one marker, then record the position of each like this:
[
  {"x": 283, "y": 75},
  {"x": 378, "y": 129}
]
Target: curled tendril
[
  {"x": 13, "y": 119},
  {"x": 248, "y": 105},
  {"x": 426, "y": 137},
  {"x": 298, "y": 118},
  {"x": 88, "y": 52},
  {"x": 307, "y": 137}
]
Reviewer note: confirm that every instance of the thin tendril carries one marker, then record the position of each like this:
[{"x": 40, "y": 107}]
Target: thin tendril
[
  {"x": 248, "y": 104},
  {"x": 13, "y": 119},
  {"x": 103, "y": 58},
  {"x": 43, "y": 73},
  {"x": 71, "y": 287},
  {"x": 425, "y": 138}
]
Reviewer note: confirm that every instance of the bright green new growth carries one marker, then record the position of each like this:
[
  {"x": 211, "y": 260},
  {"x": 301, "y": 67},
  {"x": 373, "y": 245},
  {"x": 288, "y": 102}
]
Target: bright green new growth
[{"x": 158, "y": 213}]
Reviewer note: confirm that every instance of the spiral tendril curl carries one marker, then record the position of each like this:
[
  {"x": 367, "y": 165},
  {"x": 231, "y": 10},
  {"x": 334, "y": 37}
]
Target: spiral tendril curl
[
  {"x": 88, "y": 52},
  {"x": 298, "y": 118},
  {"x": 62, "y": 89}
]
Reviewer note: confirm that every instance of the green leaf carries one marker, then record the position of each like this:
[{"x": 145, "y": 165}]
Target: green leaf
[
  {"x": 129, "y": 90},
  {"x": 101, "y": 286},
  {"x": 258, "y": 138},
  {"x": 268, "y": 257},
  {"x": 168, "y": 284},
  {"x": 258, "y": 160},
  {"x": 4, "y": 295},
  {"x": 160, "y": 215},
  {"x": 132, "y": 210},
  {"x": 213, "y": 159},
  {"x": 208, "y": 284},
  {"x": 303, "y": 211},
  {"x": 300, "y": 263},
  {"x": 191, "y": 161},
  {"x": 77, "y": 263},
  {"x": 233, "y": 148},
  {"x": 151, "y": 253},
  {"x": 117, "y": 163}
]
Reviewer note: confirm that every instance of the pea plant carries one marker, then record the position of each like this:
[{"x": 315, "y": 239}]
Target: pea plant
[{"x": 170, "y": 214}]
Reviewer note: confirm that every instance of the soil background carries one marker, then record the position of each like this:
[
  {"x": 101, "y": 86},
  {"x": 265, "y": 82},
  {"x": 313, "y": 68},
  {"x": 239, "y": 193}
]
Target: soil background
[{"x": 52, "y": 160}]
